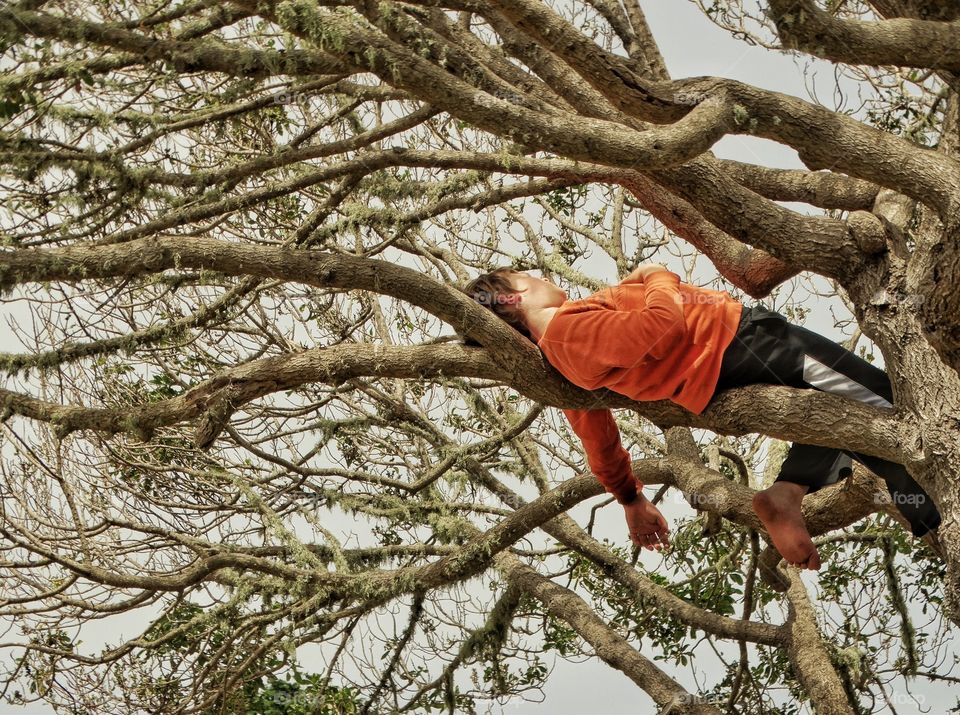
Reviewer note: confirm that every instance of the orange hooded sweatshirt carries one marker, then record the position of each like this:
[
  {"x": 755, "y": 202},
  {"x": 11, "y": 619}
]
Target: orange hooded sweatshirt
[{"x": 655, "y": 339}]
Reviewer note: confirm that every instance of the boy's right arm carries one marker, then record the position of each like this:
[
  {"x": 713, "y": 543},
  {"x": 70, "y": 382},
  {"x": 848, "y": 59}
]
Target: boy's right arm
[
  {"x": 610, "y": 463},
  {"x": 607, "y": 458}
]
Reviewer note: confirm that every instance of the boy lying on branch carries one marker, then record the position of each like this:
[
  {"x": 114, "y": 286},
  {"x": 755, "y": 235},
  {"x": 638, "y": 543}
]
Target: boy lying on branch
[{"x": 652, "y": 337}]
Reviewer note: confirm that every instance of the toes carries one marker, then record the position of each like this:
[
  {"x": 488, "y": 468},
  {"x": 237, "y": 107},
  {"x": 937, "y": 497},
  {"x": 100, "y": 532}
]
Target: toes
[{"x": 812, "y": 562}]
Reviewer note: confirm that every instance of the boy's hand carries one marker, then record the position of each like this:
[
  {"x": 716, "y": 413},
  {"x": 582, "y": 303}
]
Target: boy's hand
[
  {"x": 646, "y": 524},
  {"x": 640, "y": 272}
]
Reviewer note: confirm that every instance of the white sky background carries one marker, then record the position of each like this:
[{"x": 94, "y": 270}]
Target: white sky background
[{"x": 692, "y": 46}]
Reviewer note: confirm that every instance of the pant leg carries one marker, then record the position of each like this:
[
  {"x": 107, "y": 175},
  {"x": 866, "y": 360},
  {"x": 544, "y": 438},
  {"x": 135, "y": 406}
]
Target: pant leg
[
  {"x": 815, "y": 467},
  {"x": 762, "y": 352},
  {"x": 770, "y": 349}
]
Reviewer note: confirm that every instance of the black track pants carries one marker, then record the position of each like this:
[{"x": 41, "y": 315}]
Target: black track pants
[{"x": 770, "y": 349}]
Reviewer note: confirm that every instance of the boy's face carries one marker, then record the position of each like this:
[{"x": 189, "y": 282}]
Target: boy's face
[{"x": 537, "y": 293}]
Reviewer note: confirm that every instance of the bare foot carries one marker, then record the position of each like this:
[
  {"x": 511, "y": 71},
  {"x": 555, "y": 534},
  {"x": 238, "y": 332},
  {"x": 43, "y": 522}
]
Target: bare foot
[{"x": 778, "y": 507}]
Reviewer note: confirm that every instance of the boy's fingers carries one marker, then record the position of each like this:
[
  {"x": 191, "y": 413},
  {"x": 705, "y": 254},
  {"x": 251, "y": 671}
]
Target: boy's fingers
[
  {"x": 655, "y": 540},
  {"x": 643, "y": 540},
  {"x": 652, "y": 540}
]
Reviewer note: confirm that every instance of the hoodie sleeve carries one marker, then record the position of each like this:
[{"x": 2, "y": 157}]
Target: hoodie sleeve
[{"x": 607, "y": 458}]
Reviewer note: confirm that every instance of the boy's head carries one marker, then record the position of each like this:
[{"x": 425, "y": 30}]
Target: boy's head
[{"x": 510, "y": 294}]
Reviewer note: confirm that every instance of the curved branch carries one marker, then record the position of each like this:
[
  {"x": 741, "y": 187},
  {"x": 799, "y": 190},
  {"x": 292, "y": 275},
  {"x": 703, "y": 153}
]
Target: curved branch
[
  {"x": 22, "y": 148},
  {"x": 375, "y": 586},
  {"x": 902, "y": 42},
  {"x": 753, "y": 270},
  {"x": 565, "y": 530},
  {"x": 824, "y": 189},
  {"x": 707, "y": 225}
]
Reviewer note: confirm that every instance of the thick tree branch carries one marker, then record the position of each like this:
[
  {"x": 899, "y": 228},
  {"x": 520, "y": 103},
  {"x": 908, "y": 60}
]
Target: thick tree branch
[
  {"x": 903, "y": 42},
  {"x": 824, "y": 189},
  {"x": 753, "y": 270},
  {"x": 810, "y": 657},
  {"x": 609, "y": 646},
  {"x": 570, "y": 135},
  {"x": 821, "y": 137},
  {"x": 782, "y": 412}
]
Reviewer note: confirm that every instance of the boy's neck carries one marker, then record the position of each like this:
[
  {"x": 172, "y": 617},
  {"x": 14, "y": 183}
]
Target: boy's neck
[{"x": 538, "y": 320}]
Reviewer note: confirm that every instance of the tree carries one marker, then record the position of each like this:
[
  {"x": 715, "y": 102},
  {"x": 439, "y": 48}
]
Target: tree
[{"x": 232, "y": 238}]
